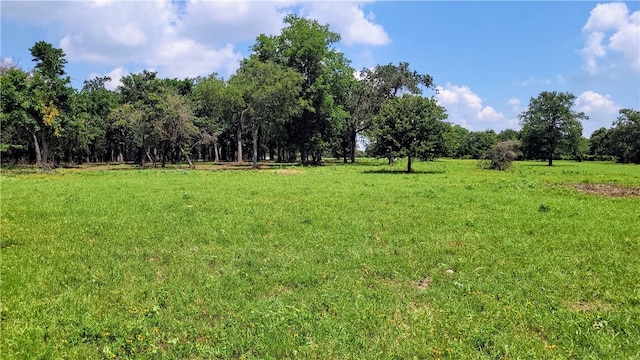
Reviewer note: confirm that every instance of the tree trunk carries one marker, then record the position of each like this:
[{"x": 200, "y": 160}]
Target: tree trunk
[
  {"x": 408, "y": 163},
  {"x": 216, "y": 152},
  {"x": 164, "y": 155},
  {"x": 187, "y": 156},
  {"x": 353, "y": 145},
  {"x": 37, "y": 149},
  {"x": 303, "y": 156},
  {"x": 45, "y": 150},
  {"x": 152, "y": 159},
  {"x": 141, "y": 156},
  {"x": 240, "y": 158},
  {"x": 255, "y": 147}
]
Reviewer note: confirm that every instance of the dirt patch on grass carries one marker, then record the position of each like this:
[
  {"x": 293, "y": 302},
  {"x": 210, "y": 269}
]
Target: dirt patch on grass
[
  {"x": 424, "y": 283},
  {"x": 586, "y": 306},
  {"x": 288, "y": 172},
  {"x": 609, "y": 190}
]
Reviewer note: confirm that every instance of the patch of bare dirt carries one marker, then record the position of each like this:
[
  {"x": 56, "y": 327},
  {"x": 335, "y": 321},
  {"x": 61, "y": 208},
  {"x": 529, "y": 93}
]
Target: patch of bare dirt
[
  {"x": 609, "y": 190},
  {"x": 288, "y": 172},
  {"x": 424, "y": 283},
  {"x": 585, "y": 306}
]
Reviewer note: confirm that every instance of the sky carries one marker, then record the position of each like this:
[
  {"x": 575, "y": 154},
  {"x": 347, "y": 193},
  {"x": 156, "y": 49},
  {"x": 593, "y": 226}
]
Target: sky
[{"x": 488, "y": 59}]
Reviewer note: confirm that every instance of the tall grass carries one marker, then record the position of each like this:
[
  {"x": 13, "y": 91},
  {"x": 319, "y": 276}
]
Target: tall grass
[{"x": 359, "y": 261}]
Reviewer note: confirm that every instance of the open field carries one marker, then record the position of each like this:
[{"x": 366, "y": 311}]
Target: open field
[{"x": 336, "y": 261}]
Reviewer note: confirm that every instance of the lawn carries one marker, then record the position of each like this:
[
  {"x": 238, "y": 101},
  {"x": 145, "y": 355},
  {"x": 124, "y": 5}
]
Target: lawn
[{"x": 359, "y": 261}]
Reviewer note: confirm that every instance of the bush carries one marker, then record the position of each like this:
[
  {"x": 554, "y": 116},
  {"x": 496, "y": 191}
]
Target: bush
[{"x": 501, "y": 156}]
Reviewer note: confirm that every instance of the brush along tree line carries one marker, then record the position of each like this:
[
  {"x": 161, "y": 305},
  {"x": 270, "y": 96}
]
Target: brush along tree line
[{"x": 294, "y": 99}]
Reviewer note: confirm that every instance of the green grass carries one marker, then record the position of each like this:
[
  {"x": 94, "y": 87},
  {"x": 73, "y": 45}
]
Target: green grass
[{"x": 330, "y": 262}]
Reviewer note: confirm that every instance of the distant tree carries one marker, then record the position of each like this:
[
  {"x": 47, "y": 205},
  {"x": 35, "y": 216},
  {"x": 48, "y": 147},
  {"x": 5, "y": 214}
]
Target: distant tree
[
  {"x": 373, "y": 88},
  {"x": 549, "y": 125},
  {"x": 600, "y": 144},
  {"x": 271, "y": 96},
  {"x": 411, "y": 126},
  {"x": 209, "y": 110},
  {"x": 459, "y": 144},
  {"x": 17, "y": 126},
  {"x": 90, "y": 110},
  {"x": 508, "y": 134},
  {"x": 625, "y": 136},
  {"x": 480, "y": 143},
  {"x": 50, "y": 94},
  {"x": 175, "y": 127},
  {"x": 307, "y": 47}
]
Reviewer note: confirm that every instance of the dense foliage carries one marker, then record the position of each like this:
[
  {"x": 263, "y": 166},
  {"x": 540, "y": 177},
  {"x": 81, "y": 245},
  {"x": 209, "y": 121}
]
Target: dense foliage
[{"x": 296, "y": 98}]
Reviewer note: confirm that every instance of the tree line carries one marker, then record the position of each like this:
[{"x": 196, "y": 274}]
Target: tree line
[{"x": 294, "y": 99}]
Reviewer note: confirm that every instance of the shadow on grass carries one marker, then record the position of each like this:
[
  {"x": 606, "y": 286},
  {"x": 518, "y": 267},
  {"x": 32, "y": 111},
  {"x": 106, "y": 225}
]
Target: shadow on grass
[
  {"x": 544, "y": 164},
  {"x": 400, "y": 172}
]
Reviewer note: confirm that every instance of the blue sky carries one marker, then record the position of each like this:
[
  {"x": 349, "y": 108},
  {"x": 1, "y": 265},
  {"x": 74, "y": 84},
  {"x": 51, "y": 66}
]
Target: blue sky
[{"x": 487, "y": 58}]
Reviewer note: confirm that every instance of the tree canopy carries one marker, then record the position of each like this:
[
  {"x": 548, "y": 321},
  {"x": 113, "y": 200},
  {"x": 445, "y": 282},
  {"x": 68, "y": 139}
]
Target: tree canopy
[
  {"x": 411, "y": 126},
  {"x": 550, "y": 125},
  {"x": 296, "y": 97}
]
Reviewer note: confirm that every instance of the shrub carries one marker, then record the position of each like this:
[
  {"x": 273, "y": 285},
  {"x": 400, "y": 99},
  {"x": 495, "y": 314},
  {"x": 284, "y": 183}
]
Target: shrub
[{"x": 501, "y": 156}]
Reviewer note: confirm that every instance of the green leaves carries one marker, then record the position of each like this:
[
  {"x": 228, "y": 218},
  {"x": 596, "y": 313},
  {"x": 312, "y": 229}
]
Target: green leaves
[
  {"x": 411, "y": 126},
  {"x": 549, "y": 125}
]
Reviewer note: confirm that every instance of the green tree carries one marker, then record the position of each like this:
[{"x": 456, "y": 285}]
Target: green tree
[
  {"x": 50, "y": 94},
  {"x": 550, "y": 126},
  {"x": 480, "y": 143},
  {"x": 600, "y": 144},
  {"x": 411, "y": 126},
  {"x": 271, "y": 95},
  {"x": 209, "y": 109},
  {"x": 625, "y": 136},
  {"x": 16, "y": 124},
  {"x": 509, "y": 134},
  {"x": 90, "y": 110},
  {"x": 307, "y": 47},
  {"x": 373, "y": 88}
]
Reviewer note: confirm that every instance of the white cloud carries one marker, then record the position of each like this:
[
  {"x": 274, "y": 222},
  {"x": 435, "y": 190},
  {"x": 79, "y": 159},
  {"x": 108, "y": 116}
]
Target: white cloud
[
  {"x": 600, "y": 109},
  {"x": 465, "y": 108},
  {"x": 115, "y": 75},
  {"x": 349, "y": 20},
  {"x": 612, "y": 39},
  {"x": 190, "y": 38}
]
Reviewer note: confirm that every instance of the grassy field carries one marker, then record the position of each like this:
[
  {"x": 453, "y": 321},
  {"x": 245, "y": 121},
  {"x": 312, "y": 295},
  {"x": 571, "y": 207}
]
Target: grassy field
[{"x": 359, "y": 261}]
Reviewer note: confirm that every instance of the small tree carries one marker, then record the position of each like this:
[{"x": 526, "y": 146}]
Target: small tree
[
  {"x": 501, "y": 155},
  {"x": 549, "y": 125},
  {"x": 625, "y": 136},
  {"x": 411, "y": 126}
]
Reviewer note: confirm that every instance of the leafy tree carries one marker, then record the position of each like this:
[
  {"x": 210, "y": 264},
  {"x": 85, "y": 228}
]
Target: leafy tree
[
  {"x": 549, "y": 125},
  {"x": 307, "y": 47},
  {"x": 209, "y": 110},
  {"x": 15, "y": 121},
  {"x": 600, "y": 144},
  {"x": 508, "y": 134},
  {"x": 480, "y": 143},
  {"x": 459, "y": 144},
  {"x": 271, "y": 94},
  {"x": 373, "y": 88},
  {"x": 50, "y": 94},
  {"x": 165, "y": 126},
  {"x": 174, "y": 126},
  {"x": 625, "y": 136},
  {"x": 128, "y": 131},
  {"x": 411, "y": 126},
  {"x": 91, "y": 107}
]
